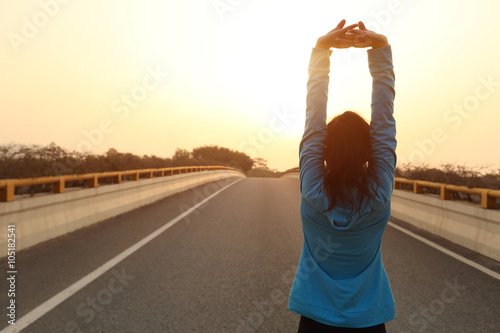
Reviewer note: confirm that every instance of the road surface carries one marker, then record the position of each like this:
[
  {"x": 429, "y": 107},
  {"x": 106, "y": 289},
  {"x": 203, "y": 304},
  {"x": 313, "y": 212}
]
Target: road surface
[{"x": 225, "y": 267}]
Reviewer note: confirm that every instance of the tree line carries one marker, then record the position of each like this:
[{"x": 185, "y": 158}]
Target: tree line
[{"x": 30, "y": 161}]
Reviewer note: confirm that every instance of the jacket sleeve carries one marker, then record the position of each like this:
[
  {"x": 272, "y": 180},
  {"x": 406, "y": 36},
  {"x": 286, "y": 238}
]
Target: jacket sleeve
[
  {"x": 312, "y": 145},
  {"x": 382, "y": 125}
]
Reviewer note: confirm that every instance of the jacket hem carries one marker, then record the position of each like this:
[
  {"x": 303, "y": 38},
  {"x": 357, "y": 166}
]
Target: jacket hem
[{"x": 357, "y": 319}]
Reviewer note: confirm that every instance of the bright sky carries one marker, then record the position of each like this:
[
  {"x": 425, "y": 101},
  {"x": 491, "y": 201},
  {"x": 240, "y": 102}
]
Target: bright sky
[{"x": 149, "y": 76}]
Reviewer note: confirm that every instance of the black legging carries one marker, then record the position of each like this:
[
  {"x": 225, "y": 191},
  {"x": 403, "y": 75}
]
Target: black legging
[{"x": 307, "y": 325}]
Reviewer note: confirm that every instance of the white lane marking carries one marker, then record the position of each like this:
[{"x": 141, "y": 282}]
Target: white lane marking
[
  {"x": 48, "y": 305},
  {"x": 448, "y": 252}
]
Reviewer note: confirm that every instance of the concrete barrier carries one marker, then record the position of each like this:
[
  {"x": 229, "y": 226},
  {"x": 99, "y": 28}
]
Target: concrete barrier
[
  {"x": 463, "y": 223},
  {"x": 46, "y": 216},
  {"x": 293, "y": 175}
]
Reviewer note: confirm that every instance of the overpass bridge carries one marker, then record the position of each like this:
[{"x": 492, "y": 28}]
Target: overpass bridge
[{"x": 220, "y": 256}]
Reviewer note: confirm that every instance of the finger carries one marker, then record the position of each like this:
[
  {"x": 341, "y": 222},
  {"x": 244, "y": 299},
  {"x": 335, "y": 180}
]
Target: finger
[
  {"x": 349, "y": 27},
  {"x": 338, "y": 27},
  {"x": 362, "y": 26},
  {"x": 343, "y": 31},
  {"x": 341, "y": 24}
]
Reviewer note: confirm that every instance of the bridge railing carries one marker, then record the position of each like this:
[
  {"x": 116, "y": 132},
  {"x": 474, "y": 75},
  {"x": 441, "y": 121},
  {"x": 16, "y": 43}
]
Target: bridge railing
[
  {"x": 8, "y": 186},
  {"x": 488, "y": 196}
]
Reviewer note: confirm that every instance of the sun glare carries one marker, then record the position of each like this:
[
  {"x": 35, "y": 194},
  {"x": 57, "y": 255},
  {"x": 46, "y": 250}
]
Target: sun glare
[{"x": 230, "y": 72}]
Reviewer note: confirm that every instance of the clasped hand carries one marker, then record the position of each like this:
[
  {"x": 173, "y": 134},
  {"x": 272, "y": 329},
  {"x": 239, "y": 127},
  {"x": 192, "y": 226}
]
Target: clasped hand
[{"x": 342, "y": 38}]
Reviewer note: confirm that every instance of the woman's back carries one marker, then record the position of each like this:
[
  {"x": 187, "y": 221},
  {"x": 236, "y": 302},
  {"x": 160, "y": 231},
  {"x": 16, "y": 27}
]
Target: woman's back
[
  {"x": 341, "y": 280},
  {"x": 343, "y": 252}
]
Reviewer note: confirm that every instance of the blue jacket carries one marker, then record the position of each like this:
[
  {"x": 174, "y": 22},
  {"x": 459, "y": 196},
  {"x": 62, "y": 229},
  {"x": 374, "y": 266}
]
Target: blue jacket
[{"x": 340, "y": 280}]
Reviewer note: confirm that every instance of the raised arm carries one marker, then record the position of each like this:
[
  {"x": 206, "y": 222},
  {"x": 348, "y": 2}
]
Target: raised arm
[
  {"x": 312, "y": 145},
  {"x": 382, "y": 125}
]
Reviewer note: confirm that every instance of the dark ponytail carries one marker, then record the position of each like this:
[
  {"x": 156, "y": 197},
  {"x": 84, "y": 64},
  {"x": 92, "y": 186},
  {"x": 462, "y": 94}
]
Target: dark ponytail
[{"x": 347, "y": 156}]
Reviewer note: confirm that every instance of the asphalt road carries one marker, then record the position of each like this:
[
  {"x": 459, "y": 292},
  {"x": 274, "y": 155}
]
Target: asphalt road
[{"x": 228, "y": 267}]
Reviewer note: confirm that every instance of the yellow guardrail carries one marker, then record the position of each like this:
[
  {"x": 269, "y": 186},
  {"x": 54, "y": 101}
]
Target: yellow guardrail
[
  {"x": 8, "y": 186},
  {"x": 488, "y": 196}
]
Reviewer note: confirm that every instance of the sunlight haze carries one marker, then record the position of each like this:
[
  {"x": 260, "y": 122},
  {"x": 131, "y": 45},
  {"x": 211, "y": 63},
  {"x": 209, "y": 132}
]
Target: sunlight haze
[{"x": 148, "y": 77}]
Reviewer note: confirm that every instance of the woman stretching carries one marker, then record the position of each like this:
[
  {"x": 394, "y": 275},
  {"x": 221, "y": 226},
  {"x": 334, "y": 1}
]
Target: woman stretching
[{"x": 346, "y": 181}]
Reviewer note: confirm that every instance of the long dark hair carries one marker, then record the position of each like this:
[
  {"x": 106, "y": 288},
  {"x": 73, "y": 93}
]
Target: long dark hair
[{"x": 347, "y": 156}]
